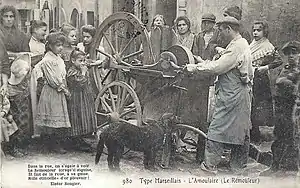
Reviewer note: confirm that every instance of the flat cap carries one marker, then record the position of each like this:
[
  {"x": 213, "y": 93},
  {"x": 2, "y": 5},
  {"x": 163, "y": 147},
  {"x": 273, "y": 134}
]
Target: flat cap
[
  {"x": 209, "y": 17},
  {"x": 291, "y": 45},
  {"x": 234, "y": 11},
  {"x": 228, "y": 20}
]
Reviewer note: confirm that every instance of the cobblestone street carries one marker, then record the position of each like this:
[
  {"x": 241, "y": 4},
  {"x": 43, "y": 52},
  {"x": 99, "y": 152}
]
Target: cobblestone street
[{"x": 15, "y": 172}]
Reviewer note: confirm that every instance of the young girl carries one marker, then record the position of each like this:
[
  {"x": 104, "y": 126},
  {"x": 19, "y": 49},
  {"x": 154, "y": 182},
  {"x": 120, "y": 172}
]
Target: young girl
[
  {"x": 81, "y": 104},
  {"x": 264, "y": 58},
  {"x": 70, "y": 33},
  {"x": 52, "y": 113}
]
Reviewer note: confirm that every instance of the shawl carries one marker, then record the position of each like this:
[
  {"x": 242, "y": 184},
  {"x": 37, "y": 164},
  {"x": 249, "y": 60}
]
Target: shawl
[
  {"x": 72, "y": 71},
  {"x": 261, "y": 48},
  {"x": 186, "y": 40}
]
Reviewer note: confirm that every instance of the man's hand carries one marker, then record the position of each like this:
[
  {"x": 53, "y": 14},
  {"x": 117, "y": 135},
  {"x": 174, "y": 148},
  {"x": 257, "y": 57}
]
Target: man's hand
[
  {"x": 263, "y": 69},
  {"x": 190, "y": 68},
  {"x": 198, "y": 59},
  {"x": 220, "y": 50}
]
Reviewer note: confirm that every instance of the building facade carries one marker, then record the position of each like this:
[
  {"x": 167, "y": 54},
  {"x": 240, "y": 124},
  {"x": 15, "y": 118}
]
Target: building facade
[{"x": 283, "y": 15}]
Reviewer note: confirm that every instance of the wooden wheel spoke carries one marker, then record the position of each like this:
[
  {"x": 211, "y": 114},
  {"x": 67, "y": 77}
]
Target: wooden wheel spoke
[
  {"x": 123, "y": 96},
  {"x": 127, "y": 112},
  {"x": 109, "y": 43},
  {"x": 119, "y": 89},
  {"x": 125, "y": 121},
  {"x": 112, "y": 100},
  {"x": 103, "y": 124},
  {"x": 133, "y": 54},
  {"x": 102, "y": 114},
  {"x": 106, "y": 105},
  {"x": 124, "y": 101},
  {"x": 126, "y": 46}
]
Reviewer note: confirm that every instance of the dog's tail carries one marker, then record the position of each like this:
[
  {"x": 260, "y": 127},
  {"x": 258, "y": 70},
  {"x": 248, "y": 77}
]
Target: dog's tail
[{"x": 100, "y": 147}]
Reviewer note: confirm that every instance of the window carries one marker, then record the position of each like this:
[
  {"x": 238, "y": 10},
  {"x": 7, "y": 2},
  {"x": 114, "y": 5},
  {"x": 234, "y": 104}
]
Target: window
[
  {"x": 24, "y": 16},
  {"x": 90, "y": 18},
  {"x": 75, "y": 18}
]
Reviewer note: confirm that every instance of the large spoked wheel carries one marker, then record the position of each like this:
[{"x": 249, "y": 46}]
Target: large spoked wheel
[
  {"x": 125, "y": 37},
  {"x": 118, "y": 102}
]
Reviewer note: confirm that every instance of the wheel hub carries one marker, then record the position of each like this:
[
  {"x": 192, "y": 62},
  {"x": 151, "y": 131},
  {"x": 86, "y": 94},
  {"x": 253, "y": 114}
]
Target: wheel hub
[{"x": 114, "y": 117}]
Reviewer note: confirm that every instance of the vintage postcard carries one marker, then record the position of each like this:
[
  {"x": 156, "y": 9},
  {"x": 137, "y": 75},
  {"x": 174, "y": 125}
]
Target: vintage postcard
[{"x": 149, "y": 93}]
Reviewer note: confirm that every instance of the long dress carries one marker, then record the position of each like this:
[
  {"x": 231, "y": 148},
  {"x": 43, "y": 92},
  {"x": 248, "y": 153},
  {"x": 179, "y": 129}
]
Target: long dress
[
  {"x": 52, "y": 112},
  {"x": 263, "y": 53},
  {"x": 37, "y": 48},
  {"x": 81, "y": 105}
]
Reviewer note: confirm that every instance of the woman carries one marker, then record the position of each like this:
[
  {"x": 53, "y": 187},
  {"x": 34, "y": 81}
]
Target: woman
[
  {"x": 52, "y": 114},
  {"x": 184, "y": 35},
  {"x": 14, "y": 39},
  {"x": 70, "y": 33},
  {"x": 88, "y": 33},
  {"x": 38, "y": 31},
  {"x": 265, "y": 57}
]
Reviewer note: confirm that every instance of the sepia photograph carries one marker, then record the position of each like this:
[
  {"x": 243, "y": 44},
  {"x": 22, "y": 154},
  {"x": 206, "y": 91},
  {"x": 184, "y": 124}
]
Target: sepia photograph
[{"x": 150, "y": 93}]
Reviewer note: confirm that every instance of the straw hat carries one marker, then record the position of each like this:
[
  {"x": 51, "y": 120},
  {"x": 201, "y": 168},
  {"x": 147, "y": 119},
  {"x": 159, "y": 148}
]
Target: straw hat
[{"x": 19, "y": 69}]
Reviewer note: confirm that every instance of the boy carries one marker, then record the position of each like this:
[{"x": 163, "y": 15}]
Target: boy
[{"x": 284, "y": 148}]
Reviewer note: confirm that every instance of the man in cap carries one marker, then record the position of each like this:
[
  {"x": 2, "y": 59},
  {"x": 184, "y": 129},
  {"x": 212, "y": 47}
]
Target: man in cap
[
  {"x": 285, "y": 146},
  {"x": 236, "y": 12},
  {"x": 202, "y": 46},
  {"x": 230, "y": 126}
]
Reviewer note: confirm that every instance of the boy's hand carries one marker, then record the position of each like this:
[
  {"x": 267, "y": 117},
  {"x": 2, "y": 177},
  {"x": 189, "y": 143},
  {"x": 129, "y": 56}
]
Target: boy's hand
[
  {"x": 67, "y": 93},
  {"x": 84, "y": 69},
  {"x": 2, "y": 114}
]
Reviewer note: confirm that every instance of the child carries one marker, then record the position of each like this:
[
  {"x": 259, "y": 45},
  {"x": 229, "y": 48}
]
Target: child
[
  {"x": 284, "y": 147},
  {"x": 8, "y": 127},
  {"x": 81, "y": 105},
  {"x": 52, "y": 114}
]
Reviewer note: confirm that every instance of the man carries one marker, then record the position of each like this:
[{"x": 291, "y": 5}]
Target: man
[
  {"x": 285, "y": 146},
  {"x": 202, "y": 44},
  {"x": 235, "y": 12},
  {"x": 230, "y": 126},
  {"x": 206, "y": 50}
]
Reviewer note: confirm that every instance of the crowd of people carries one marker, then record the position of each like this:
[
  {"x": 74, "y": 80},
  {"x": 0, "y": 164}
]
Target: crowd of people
[
  {"x": 54, "y": 97},
  {"x": 45, "y": 95}
]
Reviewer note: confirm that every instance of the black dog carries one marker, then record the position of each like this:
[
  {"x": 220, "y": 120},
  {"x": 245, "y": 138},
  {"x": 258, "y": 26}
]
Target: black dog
[{"x": 148, "y": 138}]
